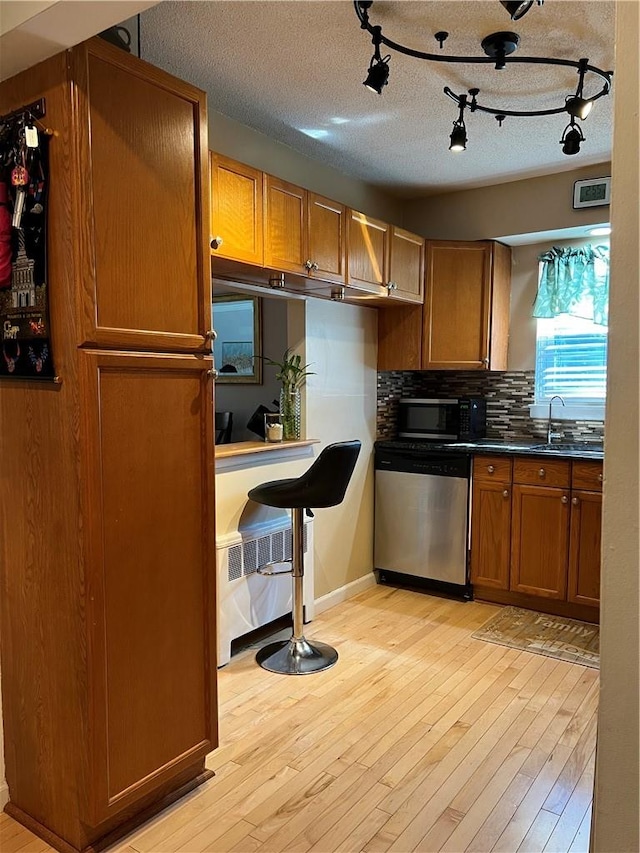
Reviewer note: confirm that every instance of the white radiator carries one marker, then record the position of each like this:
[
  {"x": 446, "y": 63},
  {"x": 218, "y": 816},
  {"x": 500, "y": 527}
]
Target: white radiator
[{"x": 246, "y": 599}]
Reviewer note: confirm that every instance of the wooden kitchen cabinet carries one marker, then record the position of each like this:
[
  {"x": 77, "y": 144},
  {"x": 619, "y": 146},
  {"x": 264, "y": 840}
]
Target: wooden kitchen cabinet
[
  {"x": 491, "y": 533},
  {"x": 326, "y": 239},
  {"x": 108, "y": 615},
  {"x": 236, "y": 211},
  {"x": 464, "y": 322},
  {"x": 466, "y": 308},
  {"x": 284, "y": 226},
  {"x": 541, "y": 548},
  {"x": 149, "y": 550},
  {"x": 540, "y": 541},
  {"x": 405, "y": 279},
  {"x": 146, "y": 193},
  {"x": 368, "y": 241},
  {"x": 585, "y": 547}
]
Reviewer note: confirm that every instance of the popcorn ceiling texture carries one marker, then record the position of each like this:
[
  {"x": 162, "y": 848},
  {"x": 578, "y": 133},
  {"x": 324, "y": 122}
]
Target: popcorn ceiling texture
[{"x": 508, "y": 396}]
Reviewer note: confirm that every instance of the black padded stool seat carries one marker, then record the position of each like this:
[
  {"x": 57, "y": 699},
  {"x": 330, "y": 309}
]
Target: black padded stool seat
[{"x": 323, "y": 485}]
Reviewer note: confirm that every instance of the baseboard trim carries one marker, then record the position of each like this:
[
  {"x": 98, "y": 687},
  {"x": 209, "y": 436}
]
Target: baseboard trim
[
  {"x": 4, "y": 795},
  {"x": 337, "y": 596}
]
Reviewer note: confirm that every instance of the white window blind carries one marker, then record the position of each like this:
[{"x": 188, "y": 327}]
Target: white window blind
[{"x": 571, "y": 360}]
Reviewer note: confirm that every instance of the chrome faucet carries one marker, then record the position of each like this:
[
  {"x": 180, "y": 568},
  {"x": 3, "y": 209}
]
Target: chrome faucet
[{"x": 551, "y": 435}]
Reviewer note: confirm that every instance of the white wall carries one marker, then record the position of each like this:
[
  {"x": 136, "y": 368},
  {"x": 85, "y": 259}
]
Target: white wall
[{"x": 617, "y": 794}]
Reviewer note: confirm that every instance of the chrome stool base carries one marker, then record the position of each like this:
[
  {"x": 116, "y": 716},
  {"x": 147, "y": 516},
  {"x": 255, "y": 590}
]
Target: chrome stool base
[{"x": 296, "y": 657}]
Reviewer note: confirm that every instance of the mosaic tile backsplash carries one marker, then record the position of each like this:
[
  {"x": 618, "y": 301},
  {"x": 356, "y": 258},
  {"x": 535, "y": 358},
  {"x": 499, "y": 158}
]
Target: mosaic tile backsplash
[{"x": 508, "y": 396}]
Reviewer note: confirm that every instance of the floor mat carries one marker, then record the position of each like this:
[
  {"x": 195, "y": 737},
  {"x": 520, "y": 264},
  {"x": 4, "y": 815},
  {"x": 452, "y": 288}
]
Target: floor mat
[{"x": 542, "y": 634}]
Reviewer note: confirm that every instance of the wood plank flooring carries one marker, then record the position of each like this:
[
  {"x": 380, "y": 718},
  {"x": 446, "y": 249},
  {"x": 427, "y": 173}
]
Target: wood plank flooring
[{"x": 420, "y": 738}]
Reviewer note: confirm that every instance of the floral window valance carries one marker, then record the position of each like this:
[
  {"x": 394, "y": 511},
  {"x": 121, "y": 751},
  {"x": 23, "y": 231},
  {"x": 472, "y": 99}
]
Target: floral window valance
[{"x": 576, "y": 282}]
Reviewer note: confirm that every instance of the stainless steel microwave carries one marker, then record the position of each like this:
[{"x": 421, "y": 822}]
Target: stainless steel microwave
[{"x": 463, "y": 419}]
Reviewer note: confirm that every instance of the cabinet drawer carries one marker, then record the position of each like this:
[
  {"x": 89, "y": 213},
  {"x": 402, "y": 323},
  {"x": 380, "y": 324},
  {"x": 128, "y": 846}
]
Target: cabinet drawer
[
  {"x": 492, "y": 468},
  {"x": 587, "y": 475},
  {"x": 541, "y": 472}
]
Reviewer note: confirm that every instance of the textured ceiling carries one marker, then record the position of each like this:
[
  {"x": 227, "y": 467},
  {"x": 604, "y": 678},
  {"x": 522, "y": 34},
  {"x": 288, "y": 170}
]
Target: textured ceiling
[{"x": 294, "y": 71}]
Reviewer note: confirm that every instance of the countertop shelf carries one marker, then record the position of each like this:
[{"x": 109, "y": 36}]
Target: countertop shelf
[{"x": 244, "y": 448}]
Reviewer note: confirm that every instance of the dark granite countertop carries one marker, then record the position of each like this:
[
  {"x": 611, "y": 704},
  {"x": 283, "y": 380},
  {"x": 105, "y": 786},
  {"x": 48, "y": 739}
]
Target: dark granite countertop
[{"x": 560, "y": 450}]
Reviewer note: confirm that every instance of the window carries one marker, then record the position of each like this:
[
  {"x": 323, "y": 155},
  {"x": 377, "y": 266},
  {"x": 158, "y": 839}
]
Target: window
[{"x": 571, "y": 360}]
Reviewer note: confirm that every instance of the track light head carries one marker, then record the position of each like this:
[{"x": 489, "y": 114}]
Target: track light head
[
  {"x": 578, "y": 107},
  {"x": 571, "y": 139},
  {"x": 516, "y": 8},
  {"x": 378, "y": 75},
  {"x": 458, "y": 138}
]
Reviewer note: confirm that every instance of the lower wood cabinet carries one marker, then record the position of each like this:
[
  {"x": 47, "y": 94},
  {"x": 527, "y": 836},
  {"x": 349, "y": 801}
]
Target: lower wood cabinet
[
  {"x": 584, "y": 549},
  {"x": 540, "y": 541},
  {"x": 149, "y": 549},
  {"x": 535, "y": 537},
  {"x": 491, "y": 532}
]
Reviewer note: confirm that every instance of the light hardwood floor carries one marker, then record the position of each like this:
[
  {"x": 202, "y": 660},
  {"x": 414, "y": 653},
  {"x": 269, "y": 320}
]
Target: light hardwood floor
[{"x": 420, "y": 738}]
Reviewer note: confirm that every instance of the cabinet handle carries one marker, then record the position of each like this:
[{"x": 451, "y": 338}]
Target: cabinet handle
[
  {"x": 211, "y": 335},
  {"x": 213, "y": 373},
  {"x": 599, "y": 478},
  {"x": 311, "y": 265},
  {"x": 485, "y": 361},
  {"x": 491, "y": 469},
  {"x": 542, "y": 473},
  {"x": 564, "y": 499},
  {"x": 216, "y": 242},
  {"x": 575, "y": 501},
  {"x": 505, "y": 494},
  {"x": 392, "y": 286}
]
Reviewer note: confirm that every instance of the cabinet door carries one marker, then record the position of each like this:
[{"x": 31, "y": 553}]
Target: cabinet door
[
  {"x": 142, "y": 203},
  {"x": 406, "y": 266},
  {"x": 540, "y": 541},
  {"x": 456, "y": 309},
  {"x": 326, "y": 238},
  {"x": 149, "y": 520},
  {"x": 285, "y": 226},
  {"x": 236, "y": 211},
  {"x": 584, "y": 550},
  {"x": 490, "y": 534},
  {"x": 368, "y": 253}
]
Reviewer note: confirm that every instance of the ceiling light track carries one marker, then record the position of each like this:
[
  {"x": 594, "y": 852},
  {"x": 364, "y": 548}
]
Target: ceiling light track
[{"x": 498, "y": 48}]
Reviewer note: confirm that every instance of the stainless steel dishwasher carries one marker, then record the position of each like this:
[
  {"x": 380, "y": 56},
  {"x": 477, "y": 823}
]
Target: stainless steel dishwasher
[{"x": 422, "y": 518}]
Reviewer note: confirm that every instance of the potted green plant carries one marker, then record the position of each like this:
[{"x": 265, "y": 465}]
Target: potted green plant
[{"x": 292, "y": 374}]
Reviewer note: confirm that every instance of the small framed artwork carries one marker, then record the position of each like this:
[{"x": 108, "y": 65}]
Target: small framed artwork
[
  {"x": 237, "y": 348},
  {"x": 592, "y": 192}
]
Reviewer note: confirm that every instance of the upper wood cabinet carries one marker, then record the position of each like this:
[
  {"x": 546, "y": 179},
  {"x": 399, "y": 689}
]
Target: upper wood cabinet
[
  {"x": 466, "y": 309},
  {"x": 464, "y": 322},
  {"x": 326, "y": 239},
  {"x": 236, "y": 211},
  {"x": 405, "y": 278},
  {"x": 143, "y": 179},
  {"x": 285, "y": 236},
  {"x": 368, "y": 252}
]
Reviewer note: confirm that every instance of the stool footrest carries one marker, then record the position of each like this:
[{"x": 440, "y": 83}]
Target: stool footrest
[{"x": 268, "y": 569}]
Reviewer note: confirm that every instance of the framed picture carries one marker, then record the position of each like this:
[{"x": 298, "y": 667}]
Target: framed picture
[{"x": 238, "y": 344}]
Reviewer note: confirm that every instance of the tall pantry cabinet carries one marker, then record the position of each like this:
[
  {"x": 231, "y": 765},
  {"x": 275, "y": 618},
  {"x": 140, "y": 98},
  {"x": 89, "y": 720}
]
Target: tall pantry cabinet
[{"x": 106, "y": 484}]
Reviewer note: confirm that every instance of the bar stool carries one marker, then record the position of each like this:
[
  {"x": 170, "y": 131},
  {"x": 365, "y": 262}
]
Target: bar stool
[{"x": 323, "y": 485}]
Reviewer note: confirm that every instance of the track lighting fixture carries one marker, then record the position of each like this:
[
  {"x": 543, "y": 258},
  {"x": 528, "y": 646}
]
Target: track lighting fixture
[
  {"x": 458, "y": 138},
  {"x": 518, "y": 9},
  {"x": 498, "y": 48},
  {"x": 571, "y": 138},
  {"x": 378, "y": 74},
  {"x": 576, "y": 105}
]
